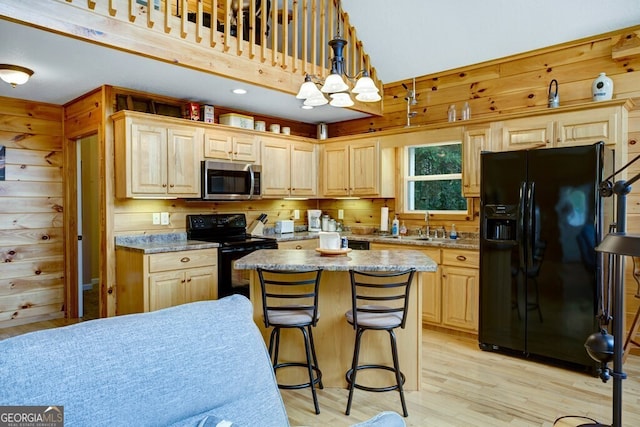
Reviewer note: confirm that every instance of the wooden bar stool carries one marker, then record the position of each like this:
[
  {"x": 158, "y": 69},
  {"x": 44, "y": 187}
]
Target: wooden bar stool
[
  {"x": 633, "y": 331},
  {"x": 290, "y": 300},
  {"x": 380, "y": 303}
]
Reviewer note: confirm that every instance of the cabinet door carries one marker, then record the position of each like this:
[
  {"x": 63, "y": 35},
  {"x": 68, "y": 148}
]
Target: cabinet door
[
  {"x": 183, "y": 161},
  {"x": 217, "y": 144},
  {"x": 166, "y": 289},
  {"x": 245, "y": 148},
  {"x": 148, "y": 153},
  {"x": 475, "y": 140},
  {"x": 335, "y": 170},
  {"x": 201, "y": 284},
  {"x": 364, "y": 164},
  {"x": 432, "y": 290},
  {"x": 520, "y": 134},
  {"x": 304, "y": 169},
  {"x": 276, "y": 161},
  {"x": 460, "y": 297},
  {"x": 587, "y": 127}
]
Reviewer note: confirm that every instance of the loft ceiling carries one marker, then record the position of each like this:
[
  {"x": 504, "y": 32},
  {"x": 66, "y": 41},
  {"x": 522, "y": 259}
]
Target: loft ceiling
[{"x": 404, "y": 39}]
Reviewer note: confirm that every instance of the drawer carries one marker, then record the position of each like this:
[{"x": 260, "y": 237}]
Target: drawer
[
  {"x": 433, "y": 253},
  {"x": 168, "y": 261},
  {"x": 461, "y": 258}
]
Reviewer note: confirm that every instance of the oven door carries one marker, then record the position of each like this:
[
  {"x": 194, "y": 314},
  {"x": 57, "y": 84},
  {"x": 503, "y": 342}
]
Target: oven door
[
  {"x": 230, "y": 181},
  {"x": 230, "y": 280}
]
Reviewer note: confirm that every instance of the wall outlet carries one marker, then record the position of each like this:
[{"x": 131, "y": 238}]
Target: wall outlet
[
  {"x": 156, "y": 218},
  {"x": 164, "y": 218},
  {"x": 296, "y": 214},
  {"x": 340, "y": 213}
]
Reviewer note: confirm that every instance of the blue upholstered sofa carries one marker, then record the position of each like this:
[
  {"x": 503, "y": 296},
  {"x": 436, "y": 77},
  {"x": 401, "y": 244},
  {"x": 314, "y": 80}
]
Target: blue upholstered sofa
[{"x": 192, "y": 365}]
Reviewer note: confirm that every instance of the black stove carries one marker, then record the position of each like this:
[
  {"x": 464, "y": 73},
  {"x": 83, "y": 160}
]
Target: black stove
[{"x": 230, "y": 231}]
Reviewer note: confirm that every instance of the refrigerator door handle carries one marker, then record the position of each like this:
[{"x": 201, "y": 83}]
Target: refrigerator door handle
[
  {"x": 531, "y": 224},
  {"x": 520, "y": 225}
]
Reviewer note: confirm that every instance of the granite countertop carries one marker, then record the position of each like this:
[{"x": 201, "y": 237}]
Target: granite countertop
[
  {"x": 472, "y": 243},
  {"x": 376, "y": 260},
  {"x": 159, "y": 243}
]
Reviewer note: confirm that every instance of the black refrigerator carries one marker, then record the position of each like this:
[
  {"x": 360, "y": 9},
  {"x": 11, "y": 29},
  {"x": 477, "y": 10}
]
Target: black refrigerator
[{"x": 541, "y": 217}]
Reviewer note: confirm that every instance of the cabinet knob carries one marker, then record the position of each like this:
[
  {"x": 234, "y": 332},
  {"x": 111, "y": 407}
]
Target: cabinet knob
[
  {"x": 164, "y": 185},
  {"x": 461, "y": 258},
  {"x": 298, "y": 247},
  {"x": 171, "y": 185},
  {"x": 185, "y": 259}
]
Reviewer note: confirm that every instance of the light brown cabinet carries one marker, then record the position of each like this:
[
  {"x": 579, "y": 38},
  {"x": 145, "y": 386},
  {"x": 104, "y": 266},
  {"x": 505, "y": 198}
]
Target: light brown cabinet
[
  {"x": 148, "y": 282},
  {"x": 582, "y": 127},
  {"x": 450, "y": 296},
  {"x": 155, "y": 157},
  {"x": 233, "y": 145},
  {"x": 358, "y": 169},
  {"x": 476, "y": 139},
  {"x": 289, "y": 168},
  {"x": 460, "y": 289}
]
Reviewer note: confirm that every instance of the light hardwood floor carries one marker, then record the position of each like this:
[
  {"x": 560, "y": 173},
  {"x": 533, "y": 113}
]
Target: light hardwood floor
[{"x": 463, "y": 386}]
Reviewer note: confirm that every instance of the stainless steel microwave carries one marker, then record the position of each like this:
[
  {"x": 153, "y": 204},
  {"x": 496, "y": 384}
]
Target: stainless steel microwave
[{"x": 230, "y": 181}]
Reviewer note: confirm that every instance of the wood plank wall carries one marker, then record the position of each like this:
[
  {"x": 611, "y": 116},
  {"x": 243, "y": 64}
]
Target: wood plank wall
[
  {"x": 512, "y": 84},
  {"x": 31, "y": 213}
]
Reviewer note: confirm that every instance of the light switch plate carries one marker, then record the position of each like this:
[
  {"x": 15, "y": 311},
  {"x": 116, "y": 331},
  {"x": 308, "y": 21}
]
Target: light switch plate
[
  {"x": 164, "y": 218},
  {"x": 156, "y": 218},
  {"x": 340, "y": 213},
  {"x": 296, "y": 214}
]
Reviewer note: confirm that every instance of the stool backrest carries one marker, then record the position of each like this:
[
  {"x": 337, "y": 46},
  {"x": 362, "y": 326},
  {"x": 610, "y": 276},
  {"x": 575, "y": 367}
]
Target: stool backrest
[
  {"x": 289, "y": 291},
  {"x": 380, "y": 292}
]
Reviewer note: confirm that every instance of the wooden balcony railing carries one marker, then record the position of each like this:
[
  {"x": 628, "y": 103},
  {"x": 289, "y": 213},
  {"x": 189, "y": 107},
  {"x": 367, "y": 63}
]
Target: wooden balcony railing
[{"x": 213, "y": 36}]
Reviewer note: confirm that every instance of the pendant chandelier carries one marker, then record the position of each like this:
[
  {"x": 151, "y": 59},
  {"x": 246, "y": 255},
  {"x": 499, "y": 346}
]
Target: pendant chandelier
[{"x": 334, "y": 85}]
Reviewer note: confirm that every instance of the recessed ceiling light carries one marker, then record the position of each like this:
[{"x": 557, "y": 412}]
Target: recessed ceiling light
[
  {"x": 307, "y": 107},
  {"x": 239, "y": 91}
]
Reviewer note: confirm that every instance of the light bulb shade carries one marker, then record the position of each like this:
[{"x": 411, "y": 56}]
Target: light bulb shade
[
  {"x": 341, "y": 100},
  {"x": 368, "y": 97},
  {"x": 334, "y": 83},
  {"x": 316, "y": 101},
  {"x": 14, "y": 74},
  {"x": 308, "y": 89},
  {"x": 365, "y": 84}
]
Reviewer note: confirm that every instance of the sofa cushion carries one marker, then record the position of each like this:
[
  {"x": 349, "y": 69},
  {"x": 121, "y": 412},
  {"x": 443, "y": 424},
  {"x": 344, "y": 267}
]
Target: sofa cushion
[{"x": 158, "y": 368}]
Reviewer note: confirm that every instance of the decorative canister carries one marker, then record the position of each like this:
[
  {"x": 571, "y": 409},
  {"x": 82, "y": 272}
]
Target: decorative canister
[
  {"x": 260, "y": 125},
  {"x": 602, "y": 88}
]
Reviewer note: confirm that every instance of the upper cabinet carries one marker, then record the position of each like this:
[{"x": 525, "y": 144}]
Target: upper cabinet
[
  {"x": 234, "y": 145},
  {"x": 357, "y": 169},
  {"x": 289, "y": 168},
  {"x": 476, "y": 139},
  {"x": 155, "y": 157},
  {"x": 581, "y": 127}
]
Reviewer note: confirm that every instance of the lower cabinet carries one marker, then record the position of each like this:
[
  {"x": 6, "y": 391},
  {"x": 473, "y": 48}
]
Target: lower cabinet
[
  {"x": 450, "y": 296},
  {"x": 148, "y": 282},
  {"x": 460, "y": 289}
]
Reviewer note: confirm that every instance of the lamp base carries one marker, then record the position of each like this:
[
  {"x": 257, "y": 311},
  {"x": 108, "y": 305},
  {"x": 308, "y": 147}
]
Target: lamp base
[{"x": 577, "y": 421}]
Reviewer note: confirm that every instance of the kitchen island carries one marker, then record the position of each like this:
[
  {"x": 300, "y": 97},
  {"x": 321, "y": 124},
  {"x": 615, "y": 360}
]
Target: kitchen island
[{"x": 334, "y": 337}]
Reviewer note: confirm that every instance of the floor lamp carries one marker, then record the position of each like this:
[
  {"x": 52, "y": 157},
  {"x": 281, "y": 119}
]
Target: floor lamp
[{"x": 618, "y": 244}]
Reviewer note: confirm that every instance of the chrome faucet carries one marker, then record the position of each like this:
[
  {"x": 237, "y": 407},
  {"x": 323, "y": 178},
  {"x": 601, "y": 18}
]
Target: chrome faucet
[{"x": 426, "y": 220}]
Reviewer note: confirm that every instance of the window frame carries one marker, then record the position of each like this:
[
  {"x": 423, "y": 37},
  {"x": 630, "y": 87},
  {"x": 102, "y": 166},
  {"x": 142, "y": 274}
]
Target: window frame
[{"x": 404, "y": 179}]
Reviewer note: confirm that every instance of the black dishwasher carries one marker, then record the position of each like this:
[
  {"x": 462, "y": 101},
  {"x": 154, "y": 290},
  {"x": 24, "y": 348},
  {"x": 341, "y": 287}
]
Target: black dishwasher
[{"x": 358, "y": 245}]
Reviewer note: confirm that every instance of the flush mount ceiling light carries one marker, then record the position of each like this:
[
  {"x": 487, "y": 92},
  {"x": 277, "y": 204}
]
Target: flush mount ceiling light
[
  {"x": 14, "y": 74},
  {"x": 334, "y": 85},
  {"x": 239, "y": 91}
]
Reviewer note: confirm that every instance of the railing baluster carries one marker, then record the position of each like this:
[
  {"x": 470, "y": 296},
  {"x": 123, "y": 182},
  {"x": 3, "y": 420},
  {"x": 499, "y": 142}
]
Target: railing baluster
[
  {"x": 331, "y": 30},
  {"x": 112, "y": 10},
  {"x": 323, "y": 36},
  {"x": 285, "y": 35},
  {"x": 214, "y": 22},
  {"x": 314, "y": 37},
  {"x": 274, "y": 34},
  {"x": 239, "y": 27},
  {"x": 296, "y": 40},
  {"x": 199, "y": 18},
  {"x": 90, "y": 3},
  {"x": 252, "y": 27},
  {"x": 150, "y": 13},
  {"x": 227, "y": 25},
  {"x": 167, "y": 17},
  {"x": 132, "y": 10},
  {"x": 305, "y": 36}
]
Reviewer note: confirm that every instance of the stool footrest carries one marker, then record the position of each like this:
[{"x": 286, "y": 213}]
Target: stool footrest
[
  {"x": 316, "y": 380},
  {"x": 374, "y": 389}
]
